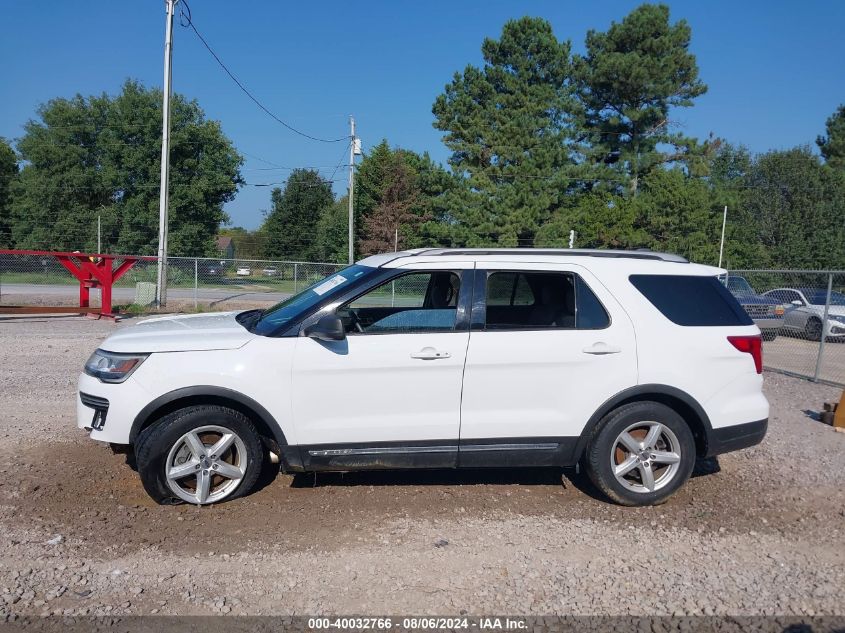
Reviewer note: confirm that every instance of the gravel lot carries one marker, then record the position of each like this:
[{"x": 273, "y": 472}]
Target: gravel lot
[{"x": 756, "y": 532}]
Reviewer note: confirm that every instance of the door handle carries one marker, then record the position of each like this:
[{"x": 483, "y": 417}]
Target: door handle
[
  {"x": 601, "y": 348},
  {"x": 429, "y": 353}
]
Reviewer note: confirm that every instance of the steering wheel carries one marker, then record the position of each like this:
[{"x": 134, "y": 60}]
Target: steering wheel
[{"x": 355, "y": 322}]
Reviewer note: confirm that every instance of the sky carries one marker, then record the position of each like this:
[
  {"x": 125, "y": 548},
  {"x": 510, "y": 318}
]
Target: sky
[{"x": 775, "y": 69}]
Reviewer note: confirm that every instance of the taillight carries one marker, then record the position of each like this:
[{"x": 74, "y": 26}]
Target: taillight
[{"x": 750, "y": 345}]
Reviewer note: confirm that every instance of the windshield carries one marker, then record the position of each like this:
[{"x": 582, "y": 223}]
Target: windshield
[
  {"x": 286, "y": 313},
  {"x": 819, "y": 297},
  {"x": 740, "y": 286}
]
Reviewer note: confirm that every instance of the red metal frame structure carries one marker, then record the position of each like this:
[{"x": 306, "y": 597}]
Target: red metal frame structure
[{"x": 93, "y": 271}]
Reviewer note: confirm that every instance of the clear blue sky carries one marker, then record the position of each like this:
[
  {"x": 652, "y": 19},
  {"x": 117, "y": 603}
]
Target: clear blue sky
[{"x": 776, "y": 70}]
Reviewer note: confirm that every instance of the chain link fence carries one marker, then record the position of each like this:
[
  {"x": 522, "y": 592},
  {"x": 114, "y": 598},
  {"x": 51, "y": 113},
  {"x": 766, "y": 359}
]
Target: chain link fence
[
  {"x": 193, "y": 283},
  {"x": 801, "y": 314}
]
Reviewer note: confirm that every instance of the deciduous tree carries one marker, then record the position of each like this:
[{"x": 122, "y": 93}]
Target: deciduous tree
[
  {"x": 8, "y": 174},
  {"x": 100, "y": 155}
]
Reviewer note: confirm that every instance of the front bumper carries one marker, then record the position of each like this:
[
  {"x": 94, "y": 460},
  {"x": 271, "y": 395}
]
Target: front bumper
[
  {"x": 736, "y": 437},
  {"x": 106, "y": 410},
  {"x": 835, "y": 328}
]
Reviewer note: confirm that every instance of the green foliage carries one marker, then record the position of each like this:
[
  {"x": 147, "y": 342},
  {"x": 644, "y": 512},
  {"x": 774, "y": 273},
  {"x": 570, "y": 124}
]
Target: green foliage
[
  {"x": 607, "y": 220},
  {"x": 8, "y": 174},
  {"x": 101, "y": 155},
  {"x": 600, "y": 219},
  {"x": 629, "y": 79},
  {"x": 291, "y": 224},
  {"x": 798, "y": 205},
  {"x": 248, "y": 244},
  {"x": 333, "y": 232},
  {"x": 507, "y": 126},
  {"x": 398, "y": 212},
  {"x": 389, "y": 177},
  {"x": 832, "y": 146}
]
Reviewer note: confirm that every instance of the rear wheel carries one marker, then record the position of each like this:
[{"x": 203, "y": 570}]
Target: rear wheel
[
  {"x": 201, "y": 455},
  {"x": 640, "y": 454}
]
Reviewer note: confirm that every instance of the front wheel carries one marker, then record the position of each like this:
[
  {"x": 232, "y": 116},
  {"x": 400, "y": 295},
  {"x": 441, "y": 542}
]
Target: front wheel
[
  {"x": 640, "y": 454},
  {"x": 201, "y": 455},
  {"x": 813, "y": 329}
]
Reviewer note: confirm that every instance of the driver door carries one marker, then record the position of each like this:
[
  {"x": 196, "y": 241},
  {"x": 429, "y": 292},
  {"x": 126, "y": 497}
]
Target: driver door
[{"x": 389, "y": 394}]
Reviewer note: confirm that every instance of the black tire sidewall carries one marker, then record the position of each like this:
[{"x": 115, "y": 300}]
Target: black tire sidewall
[
  {"x": 810, "y": 329},
  {"x": 603, "y": 440},
  {"x": 154, "y": 444}
]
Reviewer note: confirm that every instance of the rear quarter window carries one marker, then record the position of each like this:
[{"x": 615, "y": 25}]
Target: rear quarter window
[{"x": 691, "y": 300}]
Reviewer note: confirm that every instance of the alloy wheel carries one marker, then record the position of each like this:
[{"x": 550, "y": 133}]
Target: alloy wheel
[
  {"x": 645, "y": 457},
  {"x": 206, "y": 464}
]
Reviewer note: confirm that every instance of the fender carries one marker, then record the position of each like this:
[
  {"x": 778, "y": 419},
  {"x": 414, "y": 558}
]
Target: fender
[
  {"x": 701, "y": 427},
  {"x": 206, "y": 394}
]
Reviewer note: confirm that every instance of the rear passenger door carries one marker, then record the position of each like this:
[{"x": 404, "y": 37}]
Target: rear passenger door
[{"x": 549, "y": 344}]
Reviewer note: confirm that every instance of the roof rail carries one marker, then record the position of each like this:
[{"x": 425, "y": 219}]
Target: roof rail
[{"x": 557, "y": 252}]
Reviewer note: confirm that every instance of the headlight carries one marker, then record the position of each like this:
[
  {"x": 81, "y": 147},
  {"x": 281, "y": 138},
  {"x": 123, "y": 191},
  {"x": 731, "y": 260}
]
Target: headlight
[
  {"x": 836, "y": 317},
  {"x": 111, "y": 367}
]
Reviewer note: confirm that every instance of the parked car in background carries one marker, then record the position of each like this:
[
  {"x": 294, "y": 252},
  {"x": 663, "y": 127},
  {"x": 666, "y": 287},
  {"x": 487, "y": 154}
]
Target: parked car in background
[
  {"x": 243, "y": 271},
  {"x": 766, "y": 312},
  {"x": 630, "y": 363},
  {"x": 209, "y": 269},
  {"x": 270, "y": 271},
  {"x": 805, "y": 312}
]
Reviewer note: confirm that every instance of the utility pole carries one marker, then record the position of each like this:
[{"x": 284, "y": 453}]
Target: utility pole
[
  {"x": 352, "y": 141},
  {"x": 722, "y": 243},
  {"x": 164, "y": 196}
]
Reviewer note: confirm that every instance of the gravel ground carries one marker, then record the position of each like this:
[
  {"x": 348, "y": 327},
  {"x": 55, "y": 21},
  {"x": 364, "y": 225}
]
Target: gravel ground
[{"x": 755, "y": 532}]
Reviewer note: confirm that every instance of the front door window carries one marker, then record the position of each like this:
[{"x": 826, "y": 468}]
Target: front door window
[{"x": 417, "y": 302}]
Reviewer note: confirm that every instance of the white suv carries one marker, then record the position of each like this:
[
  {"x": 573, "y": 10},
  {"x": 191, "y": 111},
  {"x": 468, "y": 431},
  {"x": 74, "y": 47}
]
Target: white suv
[{"x": 631, "y": 363}]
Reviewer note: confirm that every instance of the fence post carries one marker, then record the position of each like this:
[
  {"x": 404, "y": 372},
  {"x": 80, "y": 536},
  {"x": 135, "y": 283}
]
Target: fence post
[
  {"x": 295, "y": 276},
  {"x": 824, "y": 327},
  {"x": 196, "y": 281}
]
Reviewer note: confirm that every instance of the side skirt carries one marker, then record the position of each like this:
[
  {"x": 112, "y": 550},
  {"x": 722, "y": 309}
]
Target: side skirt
[{"x": 472, "y": 453}]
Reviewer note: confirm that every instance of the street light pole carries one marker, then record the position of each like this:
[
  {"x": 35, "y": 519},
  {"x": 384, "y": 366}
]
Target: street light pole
[{"x": 164, "y": 195}]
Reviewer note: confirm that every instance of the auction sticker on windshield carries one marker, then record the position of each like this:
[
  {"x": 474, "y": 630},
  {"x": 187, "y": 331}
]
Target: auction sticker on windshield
[{"x": 327, "y": 285}]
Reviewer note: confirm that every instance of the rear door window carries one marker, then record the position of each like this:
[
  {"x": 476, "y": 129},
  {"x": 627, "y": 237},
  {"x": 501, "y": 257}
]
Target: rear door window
[
  {"x": 691, "y": 300},
  {"x": 529, "y": 300}
]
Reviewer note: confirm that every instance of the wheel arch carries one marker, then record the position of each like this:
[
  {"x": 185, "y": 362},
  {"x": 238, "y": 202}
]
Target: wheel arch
[
  {"x": 265, "y": 423},
  {"x": 684, "y": 404}
]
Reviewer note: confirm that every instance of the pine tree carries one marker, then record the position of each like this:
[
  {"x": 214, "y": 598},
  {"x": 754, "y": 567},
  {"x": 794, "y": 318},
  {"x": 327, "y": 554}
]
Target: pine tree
[
  {"x": 630, "y": 77},
  {"x": 507, "y": 125}
]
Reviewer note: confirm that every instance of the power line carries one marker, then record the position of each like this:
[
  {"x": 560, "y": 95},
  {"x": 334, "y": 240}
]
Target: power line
[{"x": 186, "y": 21}]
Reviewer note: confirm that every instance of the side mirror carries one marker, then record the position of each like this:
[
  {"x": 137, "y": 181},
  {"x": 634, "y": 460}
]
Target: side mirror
[
  {"x": 798, "y": 303},
  {"x": 328, "y": 328}
]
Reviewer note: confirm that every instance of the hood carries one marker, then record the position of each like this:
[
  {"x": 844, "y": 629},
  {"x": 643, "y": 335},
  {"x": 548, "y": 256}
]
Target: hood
[
  {"x": 183, "y": 333},
  {"x": 832, "y": 310}
]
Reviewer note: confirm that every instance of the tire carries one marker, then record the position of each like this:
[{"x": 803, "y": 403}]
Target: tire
[
  {"x": 174, "y": 441},
  {"x": 813, "y": 329},
  {"x": 607, "y": 449},
  {"x": 769, "y": 335}
]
